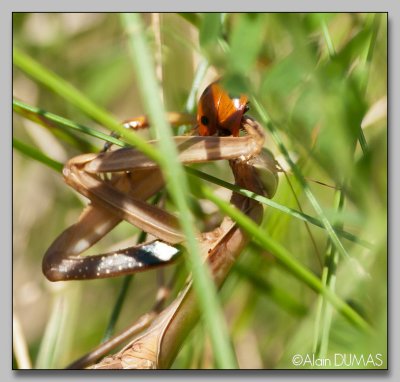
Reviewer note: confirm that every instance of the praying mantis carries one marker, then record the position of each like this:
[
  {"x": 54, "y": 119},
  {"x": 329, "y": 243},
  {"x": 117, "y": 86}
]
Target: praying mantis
[{"x": 119, "y": 182}]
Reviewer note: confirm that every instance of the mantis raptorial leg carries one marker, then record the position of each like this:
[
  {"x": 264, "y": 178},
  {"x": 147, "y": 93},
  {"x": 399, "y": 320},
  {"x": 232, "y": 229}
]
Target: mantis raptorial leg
[
  {"x": 134, "y": 178},
  {"x": 61, "y": 261},
  {"x": 156, "y": 346}
]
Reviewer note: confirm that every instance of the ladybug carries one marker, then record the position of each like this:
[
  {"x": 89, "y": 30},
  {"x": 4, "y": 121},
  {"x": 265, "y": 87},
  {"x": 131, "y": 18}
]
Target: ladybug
[{"x": 218, "y": 113}]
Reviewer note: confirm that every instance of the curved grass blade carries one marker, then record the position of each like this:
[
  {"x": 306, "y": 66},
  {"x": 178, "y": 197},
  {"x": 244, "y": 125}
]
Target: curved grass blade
[
  {"x": 76, "y": 98},
  {"x": 287, "y": 210},
  {"x": 285, "y": 258},
  {"x": 296, "y": 171}
]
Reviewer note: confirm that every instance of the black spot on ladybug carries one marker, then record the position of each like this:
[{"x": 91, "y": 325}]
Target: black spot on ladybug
[{"x": 204, "y": 120}]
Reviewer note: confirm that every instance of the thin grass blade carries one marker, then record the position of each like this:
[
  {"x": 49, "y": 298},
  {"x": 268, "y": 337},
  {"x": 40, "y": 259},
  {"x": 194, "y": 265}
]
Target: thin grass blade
[{"x": 178, "y": 189}]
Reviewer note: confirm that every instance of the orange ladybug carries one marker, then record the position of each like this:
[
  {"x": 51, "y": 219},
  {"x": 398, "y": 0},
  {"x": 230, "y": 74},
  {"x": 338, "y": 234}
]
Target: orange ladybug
[{"x": 218, "y": 113}]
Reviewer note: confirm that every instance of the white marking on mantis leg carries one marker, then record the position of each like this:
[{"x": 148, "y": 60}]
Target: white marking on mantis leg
[
  {"x": 99, "y": 229},
  {"x": 163, "y": 251},
  {"x": 81, "y": 245}
]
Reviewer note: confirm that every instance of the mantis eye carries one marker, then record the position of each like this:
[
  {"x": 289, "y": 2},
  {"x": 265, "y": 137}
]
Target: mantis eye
[{"x": 204, "y": 120}]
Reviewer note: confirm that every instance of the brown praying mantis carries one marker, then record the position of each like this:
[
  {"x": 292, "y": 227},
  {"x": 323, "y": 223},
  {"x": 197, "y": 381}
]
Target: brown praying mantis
[{"x": 119, "y": 182}]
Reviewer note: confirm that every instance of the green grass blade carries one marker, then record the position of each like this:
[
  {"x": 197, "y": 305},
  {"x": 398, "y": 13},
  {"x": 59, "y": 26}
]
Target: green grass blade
[
  {"x": 198, "y": 78},
  {"x": 116, "y": 311},
  {"x": 285, "y": 258},
  {"x": 178, "y": 188},
  {"x": 51, "y": 120},
  {"x": 117, "y": 308},
  {"x": 37, "y": 155},
  {"x": 325, "y": 312},
  {"x": 57, "y": 339},
  {"x": 76, "y": 98},
  {"x": 296, "y": 171},
  {"x": 327, "y": 37},
  {"x": 65, "y": 135},
  {"x": 264, "y": 200},
  {"x": 368, "y": 59}
]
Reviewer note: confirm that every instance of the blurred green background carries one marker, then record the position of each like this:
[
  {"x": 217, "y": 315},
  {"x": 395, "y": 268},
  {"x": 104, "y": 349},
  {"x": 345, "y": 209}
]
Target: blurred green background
[{"x": 322, "y": 80}]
